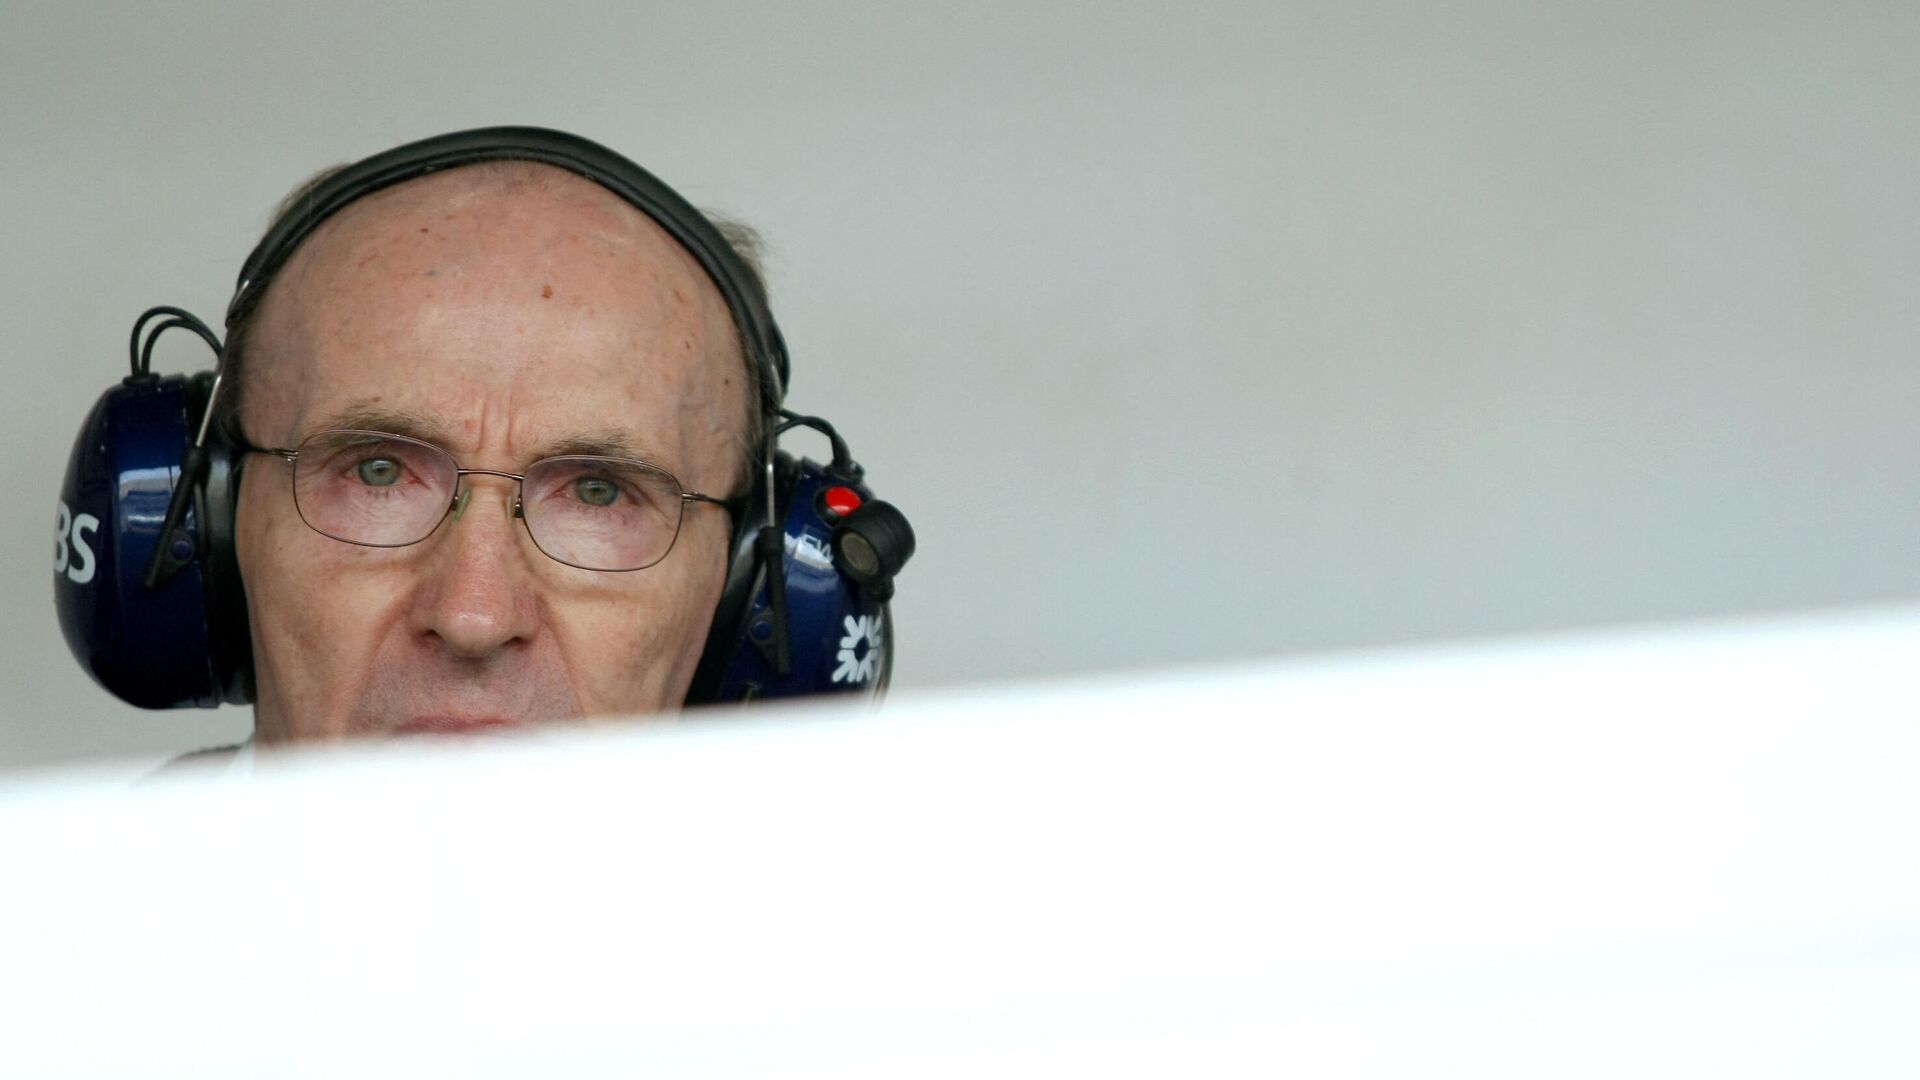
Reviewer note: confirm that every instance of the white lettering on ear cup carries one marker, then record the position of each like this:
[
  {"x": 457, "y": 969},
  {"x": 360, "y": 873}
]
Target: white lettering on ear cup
[
  {"x": 75, "y": 561},
  {"x": 84, "y": 563},
  {"x": 61, "y": 521}
]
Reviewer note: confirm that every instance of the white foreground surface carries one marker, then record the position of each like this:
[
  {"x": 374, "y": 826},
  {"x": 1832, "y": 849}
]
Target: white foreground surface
[{"x": 1681, "y": 852}]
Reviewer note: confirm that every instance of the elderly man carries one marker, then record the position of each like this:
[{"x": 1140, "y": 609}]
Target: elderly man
[{"x": 491, "y": 444}]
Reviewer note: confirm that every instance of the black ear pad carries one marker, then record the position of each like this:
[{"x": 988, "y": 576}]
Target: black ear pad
[
  {"x": 745, "y": 578},
  {"x": 229, "y": 632},
  {"x": 185, "y": 643}
]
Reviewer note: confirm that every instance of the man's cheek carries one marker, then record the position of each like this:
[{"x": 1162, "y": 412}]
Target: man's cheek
[
  {"x": 326, "y": 630},
  {"x": 625, "y": 656}
]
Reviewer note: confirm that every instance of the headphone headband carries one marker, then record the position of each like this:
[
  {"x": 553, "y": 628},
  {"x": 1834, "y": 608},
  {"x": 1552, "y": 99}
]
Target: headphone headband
[{"x": 738, "y": 284}]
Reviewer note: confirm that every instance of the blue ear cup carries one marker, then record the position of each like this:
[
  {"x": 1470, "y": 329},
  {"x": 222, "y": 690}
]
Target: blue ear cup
[
  {"x": 838, "y": 630},
  {"x": 185, "y": 643}
]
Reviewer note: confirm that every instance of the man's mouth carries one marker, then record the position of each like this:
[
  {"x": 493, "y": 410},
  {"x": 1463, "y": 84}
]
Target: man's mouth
[{"x": 453, "y": 725}]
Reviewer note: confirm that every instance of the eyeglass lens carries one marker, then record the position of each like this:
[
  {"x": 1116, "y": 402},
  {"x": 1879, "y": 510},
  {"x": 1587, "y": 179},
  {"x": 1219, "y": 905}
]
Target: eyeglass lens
[{"x": 381, "y": 490}]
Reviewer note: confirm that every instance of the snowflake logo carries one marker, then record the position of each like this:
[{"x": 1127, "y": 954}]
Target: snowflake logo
[{"x": 858, "y": 663}]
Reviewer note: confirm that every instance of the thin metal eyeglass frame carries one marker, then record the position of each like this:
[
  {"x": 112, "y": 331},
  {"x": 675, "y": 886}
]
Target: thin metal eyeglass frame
[{"x": 291, "y": 455}]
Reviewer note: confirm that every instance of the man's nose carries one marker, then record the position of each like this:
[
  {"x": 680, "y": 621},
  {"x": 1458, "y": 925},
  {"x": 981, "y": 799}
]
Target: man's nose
[{"x": 476, "y": 593}]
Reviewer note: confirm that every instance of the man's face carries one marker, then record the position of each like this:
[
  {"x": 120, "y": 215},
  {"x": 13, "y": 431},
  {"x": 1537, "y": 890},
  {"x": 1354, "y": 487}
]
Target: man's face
[{"x": 505, "y": 321}]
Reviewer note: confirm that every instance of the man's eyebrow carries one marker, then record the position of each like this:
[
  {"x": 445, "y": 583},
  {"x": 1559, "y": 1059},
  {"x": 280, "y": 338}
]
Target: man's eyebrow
[
  {"x": 613, "y": 444},
  {"x": 606, "y": 443},
  {"x": 365, "y": 416}
]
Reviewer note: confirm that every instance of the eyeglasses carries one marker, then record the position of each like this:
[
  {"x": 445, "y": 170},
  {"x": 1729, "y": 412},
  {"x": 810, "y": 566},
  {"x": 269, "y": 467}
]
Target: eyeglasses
[{"x": 377, "y": 489}]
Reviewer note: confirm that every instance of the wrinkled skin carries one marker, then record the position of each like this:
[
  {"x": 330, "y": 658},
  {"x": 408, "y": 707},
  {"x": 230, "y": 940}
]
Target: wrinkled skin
[{"x": 500, "y": 318}]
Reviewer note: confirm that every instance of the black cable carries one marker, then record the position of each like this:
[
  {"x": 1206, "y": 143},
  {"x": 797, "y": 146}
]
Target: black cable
[
  {"x": 842, "y": 458},
  {"x": 146, "y": 351},
  {"x": 133, "y": 343},
  {"x": 140, "y": 356}
]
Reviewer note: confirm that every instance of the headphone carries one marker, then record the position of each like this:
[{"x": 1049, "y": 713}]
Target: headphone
[{"x": 147, "y": 583}]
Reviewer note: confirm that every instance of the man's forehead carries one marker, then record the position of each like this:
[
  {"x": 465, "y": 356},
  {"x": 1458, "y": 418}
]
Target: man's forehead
[{"x": 481, "y": 239}]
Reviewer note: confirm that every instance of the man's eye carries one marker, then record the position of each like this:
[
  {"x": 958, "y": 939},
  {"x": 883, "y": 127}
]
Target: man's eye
[
  {"x": 379, "y": 472},
  {"x": 596, "y": 492}
]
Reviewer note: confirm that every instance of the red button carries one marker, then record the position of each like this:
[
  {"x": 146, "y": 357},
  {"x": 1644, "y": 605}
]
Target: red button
[{"x": 840, "y": 501}]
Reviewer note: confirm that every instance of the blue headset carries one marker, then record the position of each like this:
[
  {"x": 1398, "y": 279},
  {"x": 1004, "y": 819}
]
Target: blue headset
[{"x": 145, "y": 577}]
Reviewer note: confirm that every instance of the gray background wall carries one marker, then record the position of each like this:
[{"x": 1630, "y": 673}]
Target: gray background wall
[{"x": 1183, "y": 332}]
